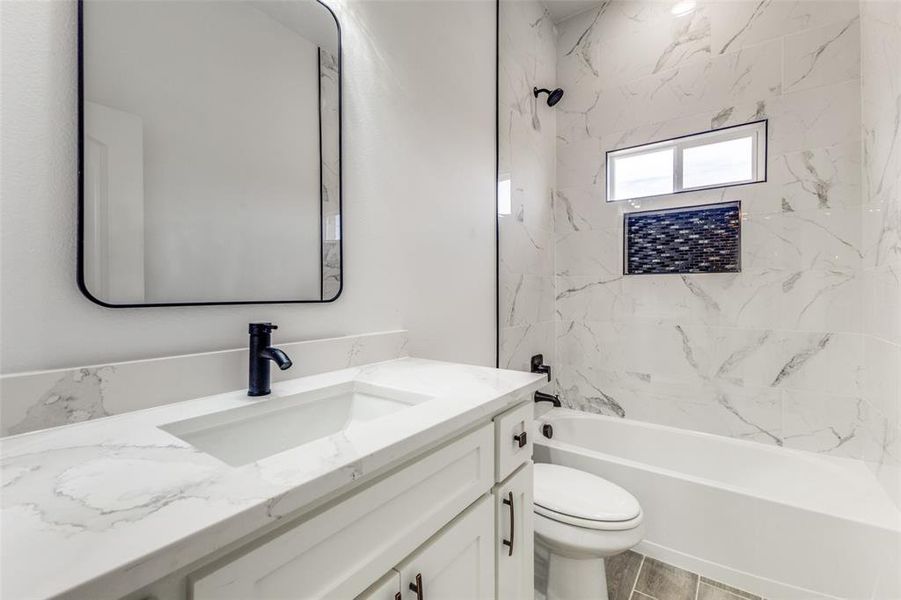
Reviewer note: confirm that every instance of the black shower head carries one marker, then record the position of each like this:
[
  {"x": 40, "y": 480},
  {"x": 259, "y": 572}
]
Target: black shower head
[{"x": 553, "y": 97}]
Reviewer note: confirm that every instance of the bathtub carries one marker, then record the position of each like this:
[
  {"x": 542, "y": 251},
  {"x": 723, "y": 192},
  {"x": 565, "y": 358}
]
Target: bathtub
[{"x": 779, "y": 523}]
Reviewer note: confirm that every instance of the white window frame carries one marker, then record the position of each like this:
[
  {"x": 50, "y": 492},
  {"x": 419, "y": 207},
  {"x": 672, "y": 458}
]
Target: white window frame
[{"x": 757, "y": 129}]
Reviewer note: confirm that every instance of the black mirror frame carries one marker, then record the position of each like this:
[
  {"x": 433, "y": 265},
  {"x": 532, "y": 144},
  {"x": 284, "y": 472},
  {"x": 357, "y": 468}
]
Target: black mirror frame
[{"x": 81, "y": 225}]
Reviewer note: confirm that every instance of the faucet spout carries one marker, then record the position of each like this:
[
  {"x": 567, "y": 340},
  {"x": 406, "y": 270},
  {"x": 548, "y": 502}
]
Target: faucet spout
[{"x": 277, "y": 356}]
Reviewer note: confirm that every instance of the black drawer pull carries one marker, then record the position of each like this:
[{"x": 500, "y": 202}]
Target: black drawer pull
[
  {"x": 509, "y": 502},
  {"x": 417, "y": 587},
  {"x": 522, "y": 439}
]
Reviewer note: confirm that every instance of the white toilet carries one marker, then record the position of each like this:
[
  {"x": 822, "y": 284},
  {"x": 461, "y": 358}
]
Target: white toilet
[{"x": 580, "y": 519}]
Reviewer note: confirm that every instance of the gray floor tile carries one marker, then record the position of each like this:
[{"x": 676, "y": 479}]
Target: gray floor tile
[
  {"x": 733, "y": 591},
  {"x": 665, "y": 582},
  {"x": 622, "y": 570},
  {"x": 640, "y": 596}
]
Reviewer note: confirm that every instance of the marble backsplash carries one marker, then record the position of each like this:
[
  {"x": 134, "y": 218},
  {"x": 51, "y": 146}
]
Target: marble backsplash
[{"x": 41, "y": 399}]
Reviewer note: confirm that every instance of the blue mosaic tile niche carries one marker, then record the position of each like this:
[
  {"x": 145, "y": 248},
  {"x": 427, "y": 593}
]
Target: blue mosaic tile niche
[{"x": 698, "y": 239}]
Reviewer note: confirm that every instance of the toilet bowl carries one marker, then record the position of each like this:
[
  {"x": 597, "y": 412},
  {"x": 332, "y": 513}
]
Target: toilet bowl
[{"x": 580, "y": 519}]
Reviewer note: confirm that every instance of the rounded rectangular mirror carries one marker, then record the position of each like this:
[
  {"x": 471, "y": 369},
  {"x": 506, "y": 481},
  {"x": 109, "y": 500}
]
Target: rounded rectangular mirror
[{"x": 210, "y": 152}]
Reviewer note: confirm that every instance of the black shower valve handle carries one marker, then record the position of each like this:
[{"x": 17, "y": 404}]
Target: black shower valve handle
[{"x": 538, "y": 366}]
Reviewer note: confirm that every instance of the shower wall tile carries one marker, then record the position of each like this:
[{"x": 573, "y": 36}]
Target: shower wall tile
[
  {"x": 881, "y": 223},
  {"x": 821, "y": 56},
  {"x": 526, "y": 155},
  {"x": 736, "y": 25},
  {"x": 774, "y": 353},
  {"x": 519, "y": 344}
]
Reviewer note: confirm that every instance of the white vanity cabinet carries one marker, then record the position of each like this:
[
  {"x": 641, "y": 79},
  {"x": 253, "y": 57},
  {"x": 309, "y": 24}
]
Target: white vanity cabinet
[
  {"x": 457, "y": 563},
  {"x": 432, "y": 529}
]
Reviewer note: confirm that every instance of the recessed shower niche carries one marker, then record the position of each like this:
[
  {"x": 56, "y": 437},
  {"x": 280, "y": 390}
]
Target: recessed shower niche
[{"x": 210, "y": 160}]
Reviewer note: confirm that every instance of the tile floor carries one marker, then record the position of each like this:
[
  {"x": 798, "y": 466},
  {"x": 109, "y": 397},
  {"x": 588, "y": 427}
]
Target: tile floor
[{"x": 633, "y": 576}]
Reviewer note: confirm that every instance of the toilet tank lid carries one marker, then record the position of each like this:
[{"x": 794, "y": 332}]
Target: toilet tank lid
[{"x": 579, "y": 494}]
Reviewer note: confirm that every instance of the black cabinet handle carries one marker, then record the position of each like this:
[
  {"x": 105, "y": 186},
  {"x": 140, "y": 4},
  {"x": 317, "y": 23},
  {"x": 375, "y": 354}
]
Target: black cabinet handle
[
  {"x": 417, "y": 587},
  {"x": 521, "y": 440},
  {"x": 397, "y": 596},
  {"x": 509, "y": 502}
]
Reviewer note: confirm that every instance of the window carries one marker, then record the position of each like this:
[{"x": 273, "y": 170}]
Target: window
[{"x": 718, "y": 158}]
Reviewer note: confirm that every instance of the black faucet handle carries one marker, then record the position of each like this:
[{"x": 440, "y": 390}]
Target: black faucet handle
[{"x": 257, "y": 328}]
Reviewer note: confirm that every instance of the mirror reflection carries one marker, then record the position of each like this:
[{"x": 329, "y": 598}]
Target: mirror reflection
[{"x": 210, "y": 152}]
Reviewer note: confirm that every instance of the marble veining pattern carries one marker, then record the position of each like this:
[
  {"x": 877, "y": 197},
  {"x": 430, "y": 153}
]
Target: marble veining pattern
[
  {"x": 526, "y": 158},
  {"x": 77, "y": 520},
  {"x": 880, "y": 25},
  {"x": 774, "y": 353},
  {"x": 43, "y": 399}
]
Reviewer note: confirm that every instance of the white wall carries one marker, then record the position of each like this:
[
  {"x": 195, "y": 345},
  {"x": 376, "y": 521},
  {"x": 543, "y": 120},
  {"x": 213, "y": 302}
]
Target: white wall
[{"x": 419, "y": 196}]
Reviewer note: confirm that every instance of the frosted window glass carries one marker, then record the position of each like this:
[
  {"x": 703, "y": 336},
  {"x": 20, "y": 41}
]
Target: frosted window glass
[
  {"x": 723, "y": 162},
  {"x": 647, "y": 174}
]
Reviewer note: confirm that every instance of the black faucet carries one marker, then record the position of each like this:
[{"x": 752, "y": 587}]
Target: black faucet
[
  {"x": 260, "y": 355},
  {"x": 553, "y": 399}
]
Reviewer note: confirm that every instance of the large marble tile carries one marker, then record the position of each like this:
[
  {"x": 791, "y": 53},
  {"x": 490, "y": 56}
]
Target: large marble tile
[
  {"x": 817, "y": 57},
  {"x": 826, "y": 424},
  {"x": 719, "y": 408},
  {"x": 589, "y": 298},
  {"x": 526, "y": 299},
  {"x": 737, "y": 25},
  {"x": 817, "y": 178},
  {"x": 593, "y": 252},
  {"x": 798, "y": 240},
  {"x": 737, "y": 78},
  {"x": 815, "y": 118},
  {"x": 519, "y": 344},
  {"x": 524, "y": 249}
]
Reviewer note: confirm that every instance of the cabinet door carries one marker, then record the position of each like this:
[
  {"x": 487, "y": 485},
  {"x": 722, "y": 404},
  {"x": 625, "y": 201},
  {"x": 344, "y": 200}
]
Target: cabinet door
[
  {"x": 514, "y": 542},
  {"x": 386, "y": 588},
  {"x": 456, "y": 564},
  {"x": 341, "y": 550}
]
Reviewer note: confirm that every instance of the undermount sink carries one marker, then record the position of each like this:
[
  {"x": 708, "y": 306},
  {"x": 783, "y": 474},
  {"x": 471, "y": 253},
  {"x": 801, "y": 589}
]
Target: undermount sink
[{"x": 278, "y": 423}]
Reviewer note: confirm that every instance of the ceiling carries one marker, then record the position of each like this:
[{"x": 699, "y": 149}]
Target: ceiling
[{"x": 563, "y": 9}]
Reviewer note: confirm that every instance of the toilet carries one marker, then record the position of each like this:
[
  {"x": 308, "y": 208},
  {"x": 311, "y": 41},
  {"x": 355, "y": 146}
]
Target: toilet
[{"x": 580, "y": 519}]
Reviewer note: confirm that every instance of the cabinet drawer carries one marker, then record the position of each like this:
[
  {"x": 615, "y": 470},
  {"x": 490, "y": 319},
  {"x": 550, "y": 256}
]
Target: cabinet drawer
[
  {"x": 343, "y": 549},
  {"x": 508, "y": 429}
]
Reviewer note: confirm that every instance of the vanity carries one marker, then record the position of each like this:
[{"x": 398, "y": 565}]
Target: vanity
[{"x": 406, "y": 479}]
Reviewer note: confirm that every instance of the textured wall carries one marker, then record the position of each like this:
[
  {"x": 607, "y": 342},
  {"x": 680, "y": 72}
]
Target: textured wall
[
  {"x": 774, "y": 353},
  {"x": 881, "y": 276},
  {"x": 419, "y": 193},
  {"x": 526, "y": 151}
]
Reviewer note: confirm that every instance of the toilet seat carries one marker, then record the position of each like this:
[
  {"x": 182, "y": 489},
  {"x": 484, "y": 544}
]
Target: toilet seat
[{"x": 574, "y": 497}]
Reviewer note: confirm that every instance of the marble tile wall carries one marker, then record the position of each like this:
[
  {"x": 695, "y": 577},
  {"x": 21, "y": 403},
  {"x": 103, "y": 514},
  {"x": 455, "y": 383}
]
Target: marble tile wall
[
  {"x": 526, "y": 154},
  {"x": 41, "y": 399},
  {"x": 774, "y": 353},
  {"x": 881, "y": 238}
]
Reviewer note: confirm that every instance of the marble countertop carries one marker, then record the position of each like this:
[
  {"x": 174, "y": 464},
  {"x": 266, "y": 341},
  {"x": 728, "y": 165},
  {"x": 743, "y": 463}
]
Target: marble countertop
[{"x": 104, "y": 507}]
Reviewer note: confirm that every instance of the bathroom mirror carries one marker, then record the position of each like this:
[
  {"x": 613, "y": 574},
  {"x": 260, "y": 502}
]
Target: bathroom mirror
[{"x": 210, "y": 152}]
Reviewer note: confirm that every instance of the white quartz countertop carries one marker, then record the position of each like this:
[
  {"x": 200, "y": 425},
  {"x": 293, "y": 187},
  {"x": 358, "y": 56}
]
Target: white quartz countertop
[{"x": 104, "y": 507}]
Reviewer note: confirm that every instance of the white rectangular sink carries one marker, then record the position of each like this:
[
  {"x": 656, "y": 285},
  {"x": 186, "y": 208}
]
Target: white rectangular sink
[{"x": 242, "y": 435}]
